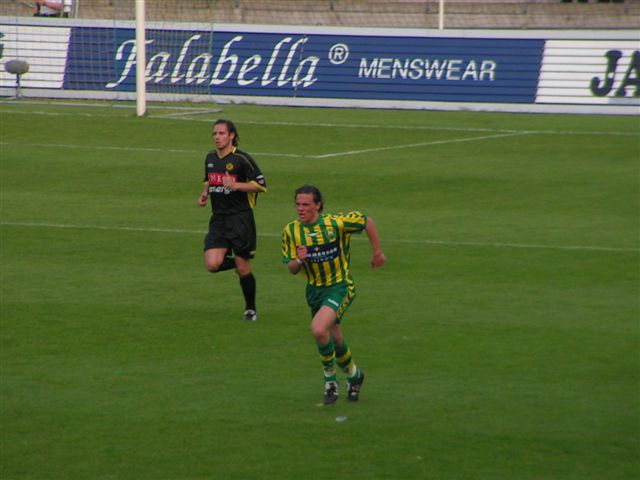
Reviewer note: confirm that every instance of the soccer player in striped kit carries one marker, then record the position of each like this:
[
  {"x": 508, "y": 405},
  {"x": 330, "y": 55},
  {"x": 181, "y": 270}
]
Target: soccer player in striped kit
[{"x": 318, "y": 245}]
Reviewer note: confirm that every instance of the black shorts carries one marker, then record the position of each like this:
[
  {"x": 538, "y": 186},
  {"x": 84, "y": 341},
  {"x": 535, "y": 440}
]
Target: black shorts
[{"x": 236, "y": 232}]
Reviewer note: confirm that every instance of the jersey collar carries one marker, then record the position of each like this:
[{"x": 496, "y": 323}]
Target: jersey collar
[{"x": 233, "y": 150}]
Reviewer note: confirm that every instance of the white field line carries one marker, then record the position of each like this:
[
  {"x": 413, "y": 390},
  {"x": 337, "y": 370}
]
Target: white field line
[
  {"x": 441, "y": 129},
  {"x": 187, "y": 113},
  {"x": 443, "y": 243},
  {"x": 415, "y": 145},
  {"x": 97, "y": 147},
  {"x": 345, "y": 125},
  {"x": 135, "y": 149},
  {"x": 265, "y": 154}
]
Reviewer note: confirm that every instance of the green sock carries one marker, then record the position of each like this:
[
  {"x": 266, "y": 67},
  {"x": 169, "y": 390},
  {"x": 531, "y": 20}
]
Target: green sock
[
  {"x": 328, "y": 358},
  {"x": 345, "y": 361}
]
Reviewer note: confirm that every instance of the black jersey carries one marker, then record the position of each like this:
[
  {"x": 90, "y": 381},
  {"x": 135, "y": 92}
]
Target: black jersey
[{"x": 244, "y": 169}]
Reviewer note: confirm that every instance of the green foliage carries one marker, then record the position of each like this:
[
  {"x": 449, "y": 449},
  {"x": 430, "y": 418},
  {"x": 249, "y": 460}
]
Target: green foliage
[{"x": 500, "y": 341}]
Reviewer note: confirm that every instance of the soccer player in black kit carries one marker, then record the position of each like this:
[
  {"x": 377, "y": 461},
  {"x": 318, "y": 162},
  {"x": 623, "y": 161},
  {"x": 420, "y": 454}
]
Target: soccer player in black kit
[{"x": 232, "y": 180}]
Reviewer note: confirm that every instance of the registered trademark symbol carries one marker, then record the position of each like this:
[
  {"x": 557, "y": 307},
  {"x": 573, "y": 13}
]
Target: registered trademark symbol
[{"x": 338, "y": 53}]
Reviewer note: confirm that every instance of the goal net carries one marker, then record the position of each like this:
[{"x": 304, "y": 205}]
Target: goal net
[{"x": 91, "y": 49}]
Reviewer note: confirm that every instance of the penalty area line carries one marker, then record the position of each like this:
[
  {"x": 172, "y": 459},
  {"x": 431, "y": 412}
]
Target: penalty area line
[
  {"x": 435, "y": 243},
  {"x": 416, "y": 145}
]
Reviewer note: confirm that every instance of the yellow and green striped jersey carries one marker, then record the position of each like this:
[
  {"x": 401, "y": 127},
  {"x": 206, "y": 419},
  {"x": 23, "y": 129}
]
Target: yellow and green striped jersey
[{"x": 328, "y": 243}]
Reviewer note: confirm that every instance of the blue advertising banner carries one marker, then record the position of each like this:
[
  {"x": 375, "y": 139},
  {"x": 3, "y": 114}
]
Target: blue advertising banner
[
  {"x": 308, "y": 66},
  {"x": 590, "y": 71}
]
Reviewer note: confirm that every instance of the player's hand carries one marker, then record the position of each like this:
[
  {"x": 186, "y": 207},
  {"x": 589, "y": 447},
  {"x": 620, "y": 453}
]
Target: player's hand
[
  {"x": 302, "y": 253},
  {"x": 378, "y": 260},
  {"x": 202, "y": 199},
  {"x": 228, "y": 181}
]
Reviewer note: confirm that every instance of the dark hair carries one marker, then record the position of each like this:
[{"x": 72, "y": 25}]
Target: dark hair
[
  {"x": 231, "y": 128},
  {"x": 317, "y": 195}
]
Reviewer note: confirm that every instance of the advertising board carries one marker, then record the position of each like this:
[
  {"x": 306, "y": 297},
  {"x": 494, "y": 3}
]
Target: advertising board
[{"x": 484, "y": 70}]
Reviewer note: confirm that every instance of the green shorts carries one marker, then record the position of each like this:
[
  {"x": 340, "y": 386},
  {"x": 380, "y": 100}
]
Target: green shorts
[{"x": 337, "y": 297}]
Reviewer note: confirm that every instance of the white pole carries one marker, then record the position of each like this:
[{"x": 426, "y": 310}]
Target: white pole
[
  {"x": 441, "y": 15},
  {"x": 141, "y": 60}
]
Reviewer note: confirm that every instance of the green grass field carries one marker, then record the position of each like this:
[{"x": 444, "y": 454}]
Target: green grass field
[{"x": 501, "y": 340}]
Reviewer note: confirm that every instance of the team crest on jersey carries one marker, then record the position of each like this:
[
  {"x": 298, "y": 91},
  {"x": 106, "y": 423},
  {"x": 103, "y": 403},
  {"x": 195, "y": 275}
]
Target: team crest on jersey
[
  {"x": 229, "y": 167},
  {"x": 331, "y": 234}
]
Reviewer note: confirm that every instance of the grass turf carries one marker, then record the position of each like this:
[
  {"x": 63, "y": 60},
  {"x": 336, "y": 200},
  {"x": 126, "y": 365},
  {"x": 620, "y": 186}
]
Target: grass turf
[{"x": 500, "y": 340}]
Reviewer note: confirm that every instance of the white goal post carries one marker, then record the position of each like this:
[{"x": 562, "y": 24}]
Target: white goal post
[{"x": 141, "y": 59}]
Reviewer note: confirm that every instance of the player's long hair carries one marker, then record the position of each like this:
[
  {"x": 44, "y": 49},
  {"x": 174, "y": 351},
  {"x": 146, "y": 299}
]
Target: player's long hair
[
  {"x": 317, "y": 195},
  {"x": 231, "y": 128}
]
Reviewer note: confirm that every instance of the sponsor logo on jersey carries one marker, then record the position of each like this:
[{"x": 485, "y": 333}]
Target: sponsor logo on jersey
[
  {"x": 215, "y": 178},
  {"x": 323, "y": 253}
]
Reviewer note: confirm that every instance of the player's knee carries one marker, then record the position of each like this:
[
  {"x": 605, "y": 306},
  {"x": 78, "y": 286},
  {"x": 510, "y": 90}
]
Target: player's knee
[
  {"x": 320, "y": 334},
  {"x": 243, "y": 267},
  {"x": 212, "y": 267},
  {"x": 243, "y": 272}
]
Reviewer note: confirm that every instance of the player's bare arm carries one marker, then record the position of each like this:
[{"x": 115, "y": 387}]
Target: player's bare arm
[
  {"x": 296, "y": 264},
  {"x": 202, "y": 199},
  {"x": 378, "y": 259},
  {"x": 228, "y": 181}
]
